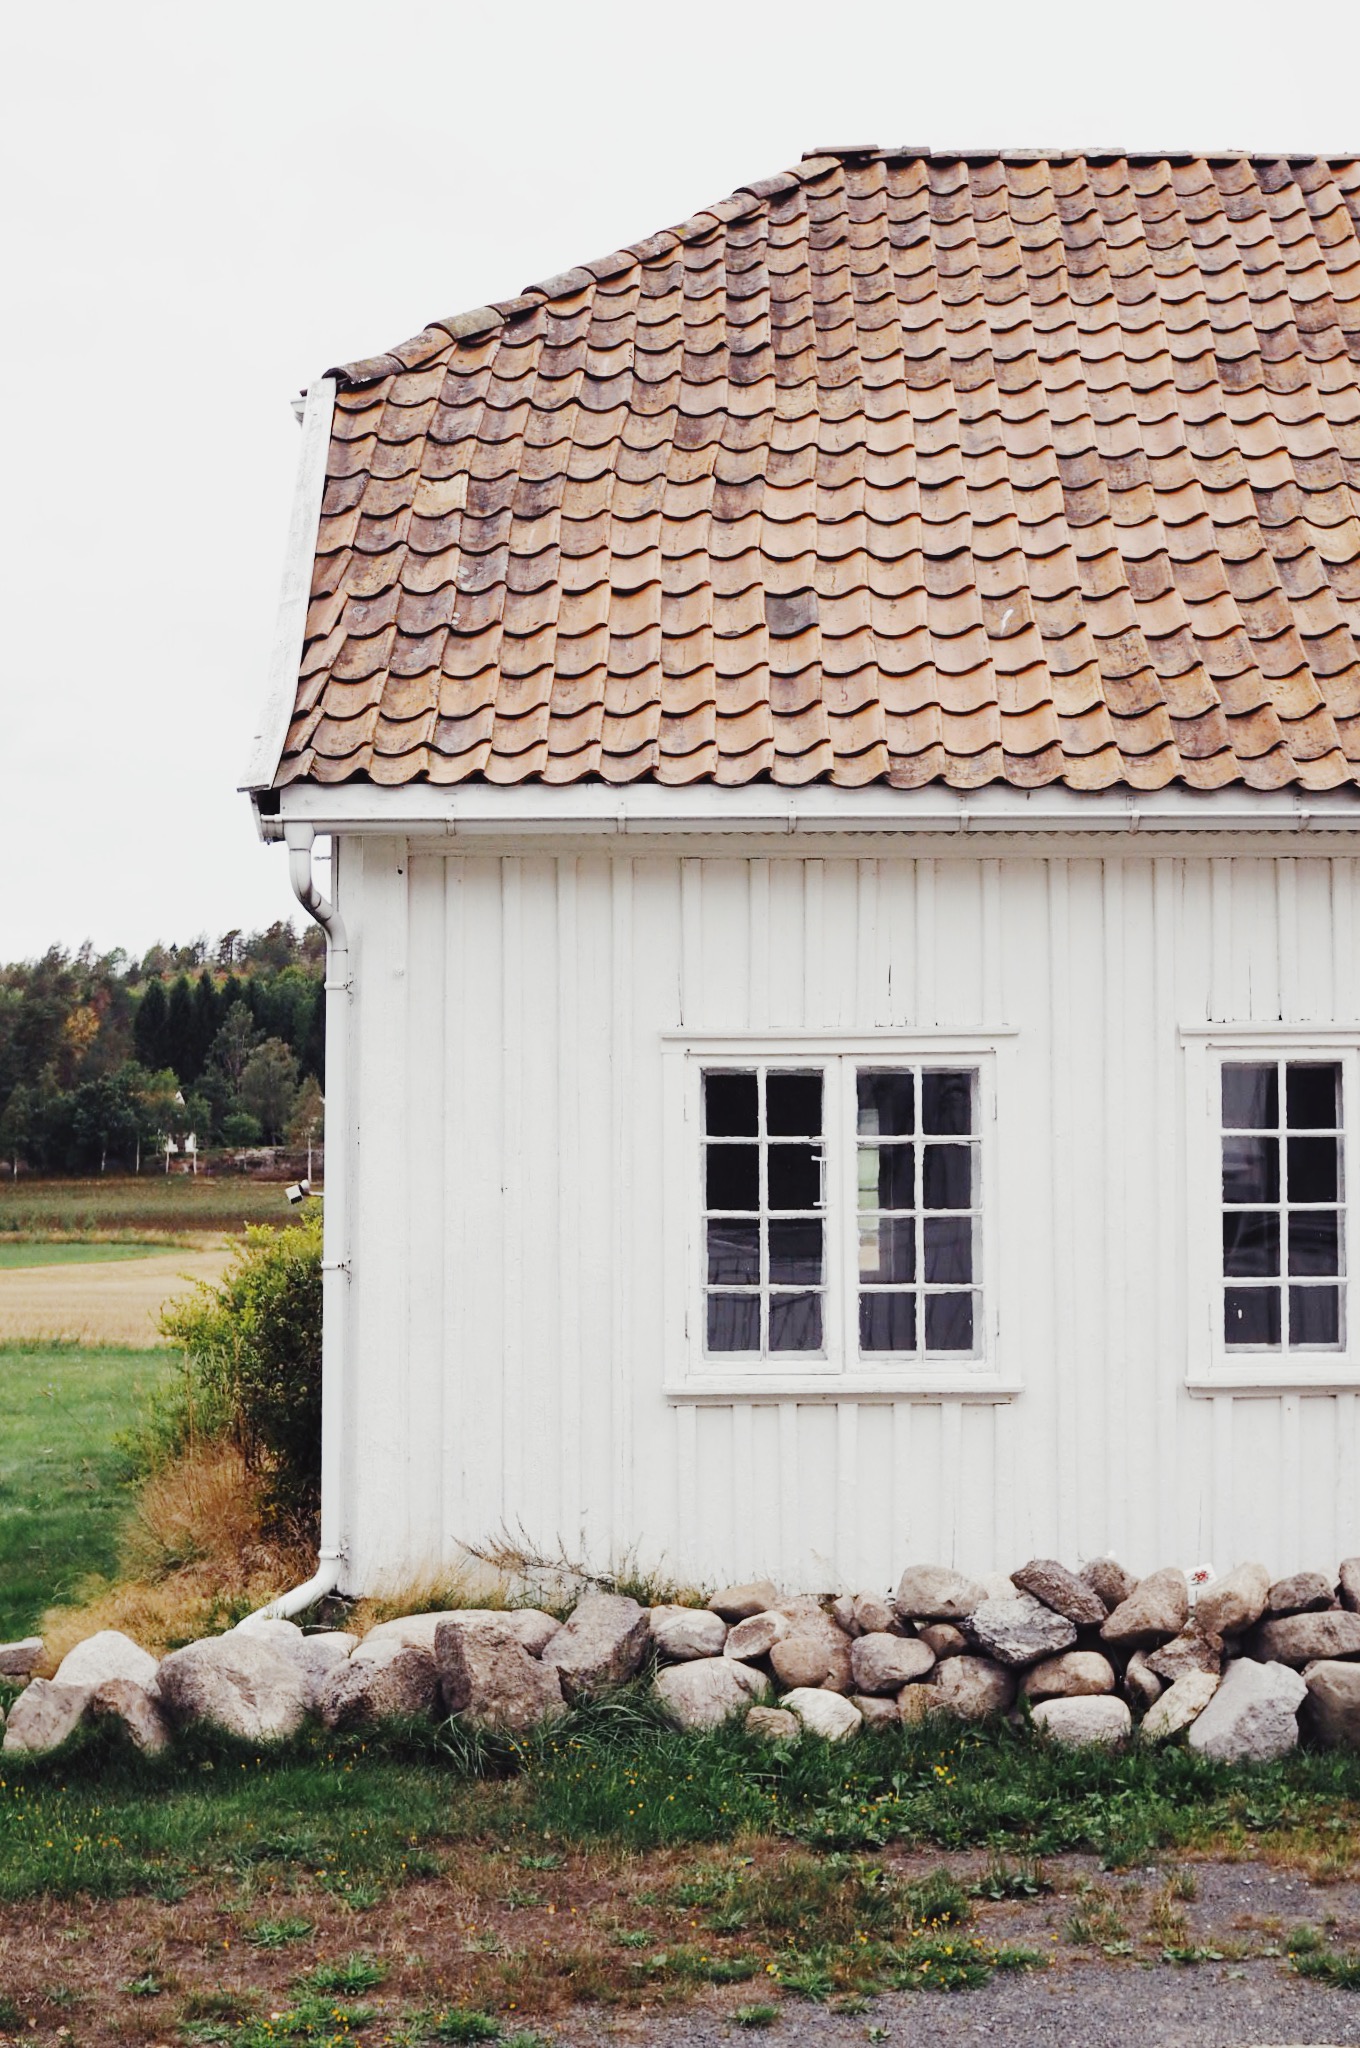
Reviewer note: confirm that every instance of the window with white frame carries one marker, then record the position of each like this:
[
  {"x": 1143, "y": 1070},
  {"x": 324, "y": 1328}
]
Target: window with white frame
[
  {"x": 1284, "y": 1280},
  {"x": 840, "y": 1212}
]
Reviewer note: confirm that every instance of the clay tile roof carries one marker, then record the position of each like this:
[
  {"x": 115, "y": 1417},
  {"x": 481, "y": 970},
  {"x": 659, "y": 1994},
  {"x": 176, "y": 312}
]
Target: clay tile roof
[{"x": 1031, "y": 467}]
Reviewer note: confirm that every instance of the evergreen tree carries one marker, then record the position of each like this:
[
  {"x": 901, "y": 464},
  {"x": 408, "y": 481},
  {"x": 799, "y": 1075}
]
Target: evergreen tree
[
  {"x": 312, "y": 1052},
  {"x": 181, "y": 1031},
  {"x": 207, "y": 1017},
  {"x": 149, "y": 1029}
]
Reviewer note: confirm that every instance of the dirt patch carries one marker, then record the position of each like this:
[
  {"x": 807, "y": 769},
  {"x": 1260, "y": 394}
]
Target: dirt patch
[{"x": 108, "y": 1301}]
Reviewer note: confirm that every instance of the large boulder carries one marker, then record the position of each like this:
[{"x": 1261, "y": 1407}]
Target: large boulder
[
  {"x": 1158, "y": 1607},
  {"x": 1300, "y": 1638},
  {"x": 737, "y": 1603},
  {"x": 316, "y": 1656},
  {"x": 1077, "y": 1674},
  {"x": 683, "y": 1633},
  {"x": 933, "y": 1592},
  {"x": 803, "y": 1657},
  {"x": 1253, "y": 1716},
  {"x": 874, "y": 1615},
  {"x": 44, "y": 1716},
  {"x": 1348, "y": 1575},
  {"x": 706, "y": 1691},
  {"x": 885, "y": 1663},
  {"x": 237, "y": 1683},
  {"x": 108, "y": 1654},
  {"x": 1142, "y": 1687},
  {"x": 1108, "y": 1580},
  {"x": 970, "y": 1688},
  {"x": 944, "y": 1638},
  {"x": 1196, "y": 1648},
  {"x": 1047, "y": 1580},
  {"x": 1235, "y": 1602},
  {"x": 1079, "y": 1722},
  {"x": 773, "y": 1724},
  {"x": 756, "y": 1636},
  {"x": 1179, "y": 1705},
  {"x": 1301, "y": 1593},
  {"x": 136, "y": 1710},
  {"x": 528, "y": 1625},
  {"x": 1020, "y": 1630},
  {"x": 828, "y": 1714},
  {"x": 876, "y": 1712},
  {"x": 1333, "y": 1709},
  {"x": 818, "y": 1638},
  {"x": 394, "y": 1679},
  {"x": 601, "y": 1646},
  {"x": 18, "y": 1659},
  {"x": 491, "y": 1681}
]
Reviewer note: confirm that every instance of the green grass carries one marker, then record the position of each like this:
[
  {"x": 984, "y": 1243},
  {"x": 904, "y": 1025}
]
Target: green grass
[
  {"x": 157, "y": 1202},
  {"x": 26, "y": 1252},
  {"x": 62, "y": 1474}
]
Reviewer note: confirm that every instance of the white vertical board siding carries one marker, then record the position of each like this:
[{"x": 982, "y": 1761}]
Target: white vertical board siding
[{"x": 511, "y": 1271}]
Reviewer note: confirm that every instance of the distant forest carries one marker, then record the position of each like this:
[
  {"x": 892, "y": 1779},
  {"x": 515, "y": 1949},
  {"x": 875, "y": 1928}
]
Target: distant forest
[{"x": 103, "y": 1057}]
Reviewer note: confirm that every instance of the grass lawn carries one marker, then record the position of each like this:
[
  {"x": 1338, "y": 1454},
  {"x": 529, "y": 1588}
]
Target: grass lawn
[
  {"x": 61, "y": 1409},
  {"x": 151, "y": 1202},
  {"x": 23, "y": 1252}
]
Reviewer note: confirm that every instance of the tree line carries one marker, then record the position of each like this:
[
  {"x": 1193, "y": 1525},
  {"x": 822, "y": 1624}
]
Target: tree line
[{"x": 103, "y": 1057}]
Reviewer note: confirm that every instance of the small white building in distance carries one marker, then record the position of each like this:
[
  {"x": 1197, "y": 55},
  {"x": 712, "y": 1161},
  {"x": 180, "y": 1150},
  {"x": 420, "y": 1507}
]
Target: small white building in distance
[{"x": 839, "y": 728}]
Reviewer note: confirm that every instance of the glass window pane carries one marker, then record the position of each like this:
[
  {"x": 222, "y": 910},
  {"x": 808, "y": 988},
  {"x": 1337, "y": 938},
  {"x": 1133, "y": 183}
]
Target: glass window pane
[
  {"x": 795, "y": 1322},
  {"x": 732, "y": 1177},
  {"x": 1313, "y": 1174},
  {"x": 1315, "y": 1315},
  {"x": 795, "y": 1252},
  {"x": 734, "y": 1253},
  {"x": 947, "y": 1104},
  {"x": 887, "y": 1248},
  {"x": 887, "y": 1322},
  {"x": 795, "y": 1176},
  {"x": 734, "y": 1322},
  {"x": 887, "y": 1105},
  {"x": 949, "y": 1247},
  {"x": 947, "y": 1177},
  {"x": 949, "y": 1322},
  {"x": 1251, "y": 1242},
  {"x": 887, "y": 1177},
  {"x": 1312, "y": 1097},
  {"x": 1251, "y": 1316},
  {"x": 731, "y": 1105},
  {"x": 1314, "y": 1241},
  {"x": 1251, "y": 1169},
  {"x": 793, "y": 1105},
  {"x": 1251, "y": 1097}
]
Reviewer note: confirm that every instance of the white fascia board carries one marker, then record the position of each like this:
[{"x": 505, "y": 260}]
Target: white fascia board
[
  {"x": 266, "y": 748},
  {"x": 534, "y": 810}
]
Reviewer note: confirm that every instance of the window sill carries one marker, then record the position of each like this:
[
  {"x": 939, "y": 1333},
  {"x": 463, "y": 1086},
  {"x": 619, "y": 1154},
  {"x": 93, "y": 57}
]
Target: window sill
[
  {"x": 828, "y": 1386},
  {"x": 1343, "y": 1377}
]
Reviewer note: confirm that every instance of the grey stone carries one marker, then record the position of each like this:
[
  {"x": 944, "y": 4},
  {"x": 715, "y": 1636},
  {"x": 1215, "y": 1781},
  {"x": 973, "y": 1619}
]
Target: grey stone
[
  {"x": 395, "y": 1679},
  {"x": 1158, "y": 1607},
  {"x": 811, "y": 1621},
  {"x": 1298, "y": 1638},
  {"x": 1142, "y": 1687},
  {"x": 756, "y": 1636},
  {"x": 683, "y": 1633},
  {"x": 122, "y": 1699},
  {"x": 1302, "y": 1593},
  {"x": 801, "y": 1658},
  {"x": 1062, "y": 1590},
  {"x": 970, "y": 1688},
  {"x": 1093, "y": 1718},
  {"x": 1196, "y": 1648},
  {"x": 1020, "y": 1630},
  {"x": 843, "y": 1614},
  {"x": 270, "y": 1628},
  {"x": 1333, "y": 1710},
  {"x": 17, "y": 1659},
  {"x": 107, "y": 1654},
  {"x": 1179, "y": 1705},
  {"x": 882, "y": 1663},
  {"x": 706, "y": 1691},
  {"x": 531, "y": 1628},
  {"x": 1108, "y": 1580},
  {"x": 1235, "y": 1602},
  {"x": 601, "y": 1645},
  {"x": 321, "y": 1655},
  {"x": 44, "y": 1716},
  {"x": 828, "y": 1714},
  {"x": 876, "y": 1712},
  {"x": 489, "y": 1679},
  {"x": 916, "y": 1702},
  {"x": 934, "y": 1592},
  {"x": 1253, "y": 1716},
  {"x": 238, "y": 1683},
  {"x": 875, "y": 1615},
  {"x": 1348, "y": 1575},
  {"x": 945, "y": 1639},
  {"x": 773, "y": 1724},
  {"x": 736, "y": 1603},
  {"x": 1074, "y": 1675}
]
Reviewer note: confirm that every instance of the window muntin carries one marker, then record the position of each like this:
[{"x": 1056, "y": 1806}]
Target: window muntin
[
  {"x": 764, "y": 1195},
  {"x": 1283, "y": 1205}
]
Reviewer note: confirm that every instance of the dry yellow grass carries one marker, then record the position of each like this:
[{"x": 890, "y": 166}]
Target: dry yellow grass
[{"x": 104, "y": 1303}]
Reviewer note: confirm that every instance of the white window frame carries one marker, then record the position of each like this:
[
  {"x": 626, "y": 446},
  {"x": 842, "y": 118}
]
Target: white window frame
[
  {"x": 840, "y": 1370},
  {"x": 1211, "y": 1366}
]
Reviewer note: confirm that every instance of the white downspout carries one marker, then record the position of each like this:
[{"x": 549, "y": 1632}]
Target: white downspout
[{"x": 335, "y": 1249}]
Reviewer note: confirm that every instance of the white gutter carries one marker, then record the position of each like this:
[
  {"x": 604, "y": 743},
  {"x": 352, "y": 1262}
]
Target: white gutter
[{"x": 335, "y": 1265}]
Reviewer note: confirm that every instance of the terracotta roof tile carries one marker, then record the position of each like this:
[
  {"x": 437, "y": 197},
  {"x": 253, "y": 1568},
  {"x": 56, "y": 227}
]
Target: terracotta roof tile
[{"x": 1030, "y": 467}]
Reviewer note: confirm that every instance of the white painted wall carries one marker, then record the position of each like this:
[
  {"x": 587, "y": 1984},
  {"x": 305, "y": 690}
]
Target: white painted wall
[{"x": 507, "y": 1335}]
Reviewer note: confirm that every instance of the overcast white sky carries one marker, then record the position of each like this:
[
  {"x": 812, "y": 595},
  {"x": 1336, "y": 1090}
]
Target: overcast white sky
[{"x": 206, "y": 206}]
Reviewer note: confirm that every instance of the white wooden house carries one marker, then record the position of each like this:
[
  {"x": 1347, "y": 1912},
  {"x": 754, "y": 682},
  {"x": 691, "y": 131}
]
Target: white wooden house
[{"x": 839, "y": 729}]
